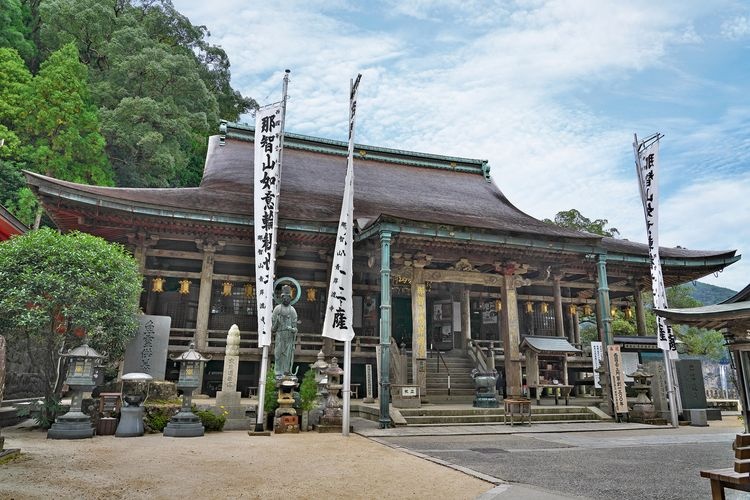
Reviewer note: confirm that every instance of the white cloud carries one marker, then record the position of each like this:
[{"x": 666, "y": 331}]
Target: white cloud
[
  {"x": 737, "y": 28},
  {"x": 505, "y": 81}
]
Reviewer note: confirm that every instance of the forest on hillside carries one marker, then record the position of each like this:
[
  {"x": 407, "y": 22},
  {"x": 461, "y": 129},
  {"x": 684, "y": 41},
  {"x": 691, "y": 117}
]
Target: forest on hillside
[{"x": 107, "y": 92}]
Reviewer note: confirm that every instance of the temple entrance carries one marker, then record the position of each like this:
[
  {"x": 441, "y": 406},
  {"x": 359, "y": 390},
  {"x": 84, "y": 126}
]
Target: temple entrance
[
  {"x": 402, "y": 324},
  {"x": 442, "y": 327}
]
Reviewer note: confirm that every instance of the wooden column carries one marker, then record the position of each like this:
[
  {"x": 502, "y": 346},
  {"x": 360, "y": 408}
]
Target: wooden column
[
  {"x": 419, "y": 327},
  {"x": 640, "y": 312},
  {"x": 465, "y": 316},
  {"x": 204, "y": 293},
  {"x": 511, "y": 331},
  {"x": 559, "y": 319}
]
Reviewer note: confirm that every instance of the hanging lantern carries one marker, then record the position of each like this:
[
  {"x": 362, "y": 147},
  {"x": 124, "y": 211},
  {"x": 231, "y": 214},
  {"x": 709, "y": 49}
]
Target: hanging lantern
[
  {"x": 498, "y": 305},
  {"x": 587, "y": 310},
  {"x": 613, "y": 311},
  {"x": 185, "y": 287},
  {"x": 529, "y": 307},
  {"x": 226, "y": 288},
  {"x": 572, "y": 309},
  {"x": 628, "y": 312},
  {"x": 311, "y": 294},
  {"x": 157, "y": 284},
  {"x": 249, "y": 290},
  {"x": 544, "y": 308}
]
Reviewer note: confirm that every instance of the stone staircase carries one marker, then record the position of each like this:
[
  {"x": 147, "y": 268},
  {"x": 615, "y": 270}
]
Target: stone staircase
[
  {"x": 429, "y": 415},
  {"x": 459, "y": 366}
]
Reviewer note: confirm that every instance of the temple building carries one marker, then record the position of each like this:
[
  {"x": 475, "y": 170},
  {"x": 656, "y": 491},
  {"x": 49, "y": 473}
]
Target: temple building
[{"x": 443, "y": 261}]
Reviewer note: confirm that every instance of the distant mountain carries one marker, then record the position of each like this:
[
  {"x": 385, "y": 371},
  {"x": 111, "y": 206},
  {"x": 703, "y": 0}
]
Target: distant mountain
[{"x": 709, "y": 294}]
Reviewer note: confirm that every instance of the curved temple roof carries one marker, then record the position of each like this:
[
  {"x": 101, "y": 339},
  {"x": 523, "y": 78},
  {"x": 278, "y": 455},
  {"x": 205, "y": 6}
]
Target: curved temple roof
[{"x": 417, "y": 187}]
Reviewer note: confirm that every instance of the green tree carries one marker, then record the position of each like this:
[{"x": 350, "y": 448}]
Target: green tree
[
  {"x": 14, "y": 31},
  {"x": 573, "y": 219},
  {"x": 159, "y": 84},
  {"x": 15, "y": 87},
  {"x": 54, "y": 286},
  {"x": 62, "y": 125}
]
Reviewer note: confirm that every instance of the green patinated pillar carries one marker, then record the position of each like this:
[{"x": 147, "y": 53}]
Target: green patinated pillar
[
  {"x": 603, "y": 299},
  {"x": 385, "y": 328},
  {"x": 606, "y": 321}
]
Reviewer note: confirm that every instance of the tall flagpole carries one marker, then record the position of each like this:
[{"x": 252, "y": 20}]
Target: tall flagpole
[
  {"x": 339, "y": 310},
  {"x": 648, "y": 184},
  {"x": 260, "y": 423}
]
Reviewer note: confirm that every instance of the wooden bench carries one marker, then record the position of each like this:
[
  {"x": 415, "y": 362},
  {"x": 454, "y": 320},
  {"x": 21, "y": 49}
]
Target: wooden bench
[
  {"x": 517, "y": 406},
  {"x": 726, "y": 478}
]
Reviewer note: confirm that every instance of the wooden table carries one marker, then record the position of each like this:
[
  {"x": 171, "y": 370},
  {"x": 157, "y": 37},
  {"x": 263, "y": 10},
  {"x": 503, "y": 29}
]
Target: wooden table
[
  {"x": 517, "y": 406},
  {"x": 564, "y": 391},
  {"x": 726, "y": 478}
]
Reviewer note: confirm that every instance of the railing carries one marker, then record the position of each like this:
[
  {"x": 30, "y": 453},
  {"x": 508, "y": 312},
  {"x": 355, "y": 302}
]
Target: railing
[
  {"x": 438, "y": 359},
  {"x": 476, "y": 353},
  {"x": 398, "y": 365}
]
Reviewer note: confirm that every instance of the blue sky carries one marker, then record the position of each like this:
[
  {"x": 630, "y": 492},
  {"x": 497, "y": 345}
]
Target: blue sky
[{"x": 550, "y": 92}]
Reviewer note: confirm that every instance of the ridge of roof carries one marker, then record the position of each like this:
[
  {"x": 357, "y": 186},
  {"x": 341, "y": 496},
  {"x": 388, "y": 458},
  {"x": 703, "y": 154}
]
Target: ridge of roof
[{"x": 246, "y": 132}]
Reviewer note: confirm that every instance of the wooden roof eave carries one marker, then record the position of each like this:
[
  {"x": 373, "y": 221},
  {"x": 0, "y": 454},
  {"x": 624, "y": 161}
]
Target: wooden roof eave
[{"x": 467, "y": 235}]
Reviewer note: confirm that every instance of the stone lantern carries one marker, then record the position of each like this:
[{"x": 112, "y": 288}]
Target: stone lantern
[
  {"x": 643, "y": 410},
  {"x": 321, "y": 380},
  {"x": 80, "y": 378},
  {"x": 332, "y": 418},
  {"x": 186, "y": 423}
]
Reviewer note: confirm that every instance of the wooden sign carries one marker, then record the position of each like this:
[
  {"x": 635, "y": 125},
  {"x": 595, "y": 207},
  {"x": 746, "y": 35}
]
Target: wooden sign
[{"x": 617, "y": 378}]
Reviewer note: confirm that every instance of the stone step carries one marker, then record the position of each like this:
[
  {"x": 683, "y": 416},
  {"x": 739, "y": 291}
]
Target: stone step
[
  {"x": 453, "y": 392},
  {"x": 535, "y": 410},
  {"x": 477, "y": 419}
]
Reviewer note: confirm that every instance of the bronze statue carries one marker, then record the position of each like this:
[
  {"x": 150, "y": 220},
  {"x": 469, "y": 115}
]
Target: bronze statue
[{"x": 284, "y": 327}]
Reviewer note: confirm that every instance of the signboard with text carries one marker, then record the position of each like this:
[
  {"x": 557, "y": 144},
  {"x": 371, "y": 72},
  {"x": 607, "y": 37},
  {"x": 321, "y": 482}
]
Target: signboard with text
[
  {"x": 617, "y": 378},
  {"x": 147, "y": 351}
]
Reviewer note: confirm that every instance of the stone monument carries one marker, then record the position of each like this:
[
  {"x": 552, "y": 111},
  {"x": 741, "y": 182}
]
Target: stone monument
[{"x": 228, "y": 399}]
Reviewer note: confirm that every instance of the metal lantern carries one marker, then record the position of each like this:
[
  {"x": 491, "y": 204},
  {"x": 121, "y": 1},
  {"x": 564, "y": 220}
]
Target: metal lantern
[
  {"x": 186, "y": 423},
  {"x": 572, "y": 309},
  {"x": 544, "y": 308},
  {"x": 157, "y": 284},
  {"x": 226, "y": 288},
  {"x": 587, "y": 310},
  {"x": 82, "y": 361},
  {"x": 249, "y": 290},
  {"x": 185, "y": 287},
  {"x": 529, "y": 307},
  {"x": 498, "y": 305},
  {"x": 311, "y": 294}
]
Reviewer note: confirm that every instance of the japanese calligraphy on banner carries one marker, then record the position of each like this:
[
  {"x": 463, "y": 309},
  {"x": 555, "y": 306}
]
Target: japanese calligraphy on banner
[
  {"x": 269, "y": 127},
  {"x": 617, "y": 378},
  {"x": 596, "y": 360},
  {"x": 339, "y": 311},
  {"x": 646, "y": 157},
  {"x": 420, "y": 322}
]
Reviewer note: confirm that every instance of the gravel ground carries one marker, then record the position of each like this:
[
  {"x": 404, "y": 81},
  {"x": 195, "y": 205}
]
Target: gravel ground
[{"x": 223, "y": 465}]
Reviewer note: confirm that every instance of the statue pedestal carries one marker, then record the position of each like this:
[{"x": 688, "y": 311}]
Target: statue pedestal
[
  {"x": 131, "y": 422},
  {"x": 72, "y": 425},
  {"x": 236, "y": 415}
]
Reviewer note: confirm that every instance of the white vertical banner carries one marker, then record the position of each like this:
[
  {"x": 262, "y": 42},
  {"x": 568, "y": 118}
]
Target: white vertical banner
[
  {"x": 269, "y": 130},
  {"x": 646, "y": 163},
  {"x": 339, "y": 317},
  {"x": 597, "y": 357}
]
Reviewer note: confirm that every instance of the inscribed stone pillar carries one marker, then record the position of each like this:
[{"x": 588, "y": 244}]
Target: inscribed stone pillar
[
  {"x": 557, "y": 294},
  {"x": 511, "y": 332},
  {"x": 231, "y": 360},
  {"x": 419, "y": 328},
  {"x": 228, "y": 400}
]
